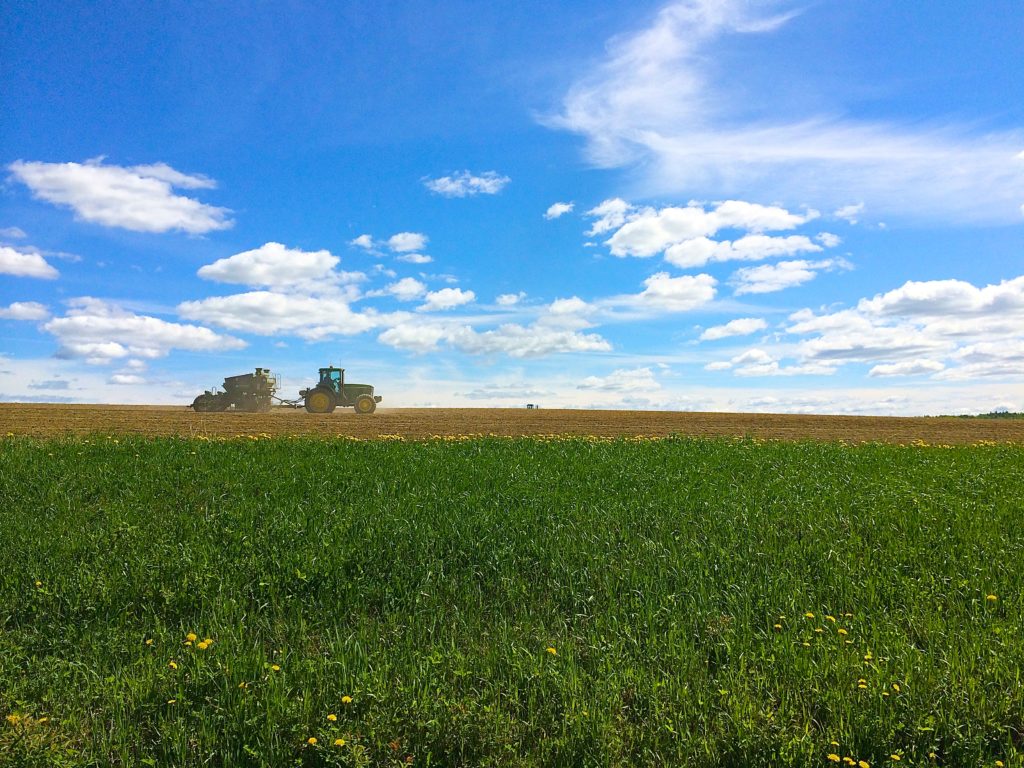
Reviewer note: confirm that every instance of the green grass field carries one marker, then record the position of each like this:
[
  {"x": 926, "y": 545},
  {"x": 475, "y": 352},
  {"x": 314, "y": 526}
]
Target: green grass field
[{"x": 512, "y": 602}]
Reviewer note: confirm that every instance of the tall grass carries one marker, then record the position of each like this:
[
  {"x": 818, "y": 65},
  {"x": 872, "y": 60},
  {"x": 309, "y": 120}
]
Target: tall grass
[{"x": 509, "y": 602}]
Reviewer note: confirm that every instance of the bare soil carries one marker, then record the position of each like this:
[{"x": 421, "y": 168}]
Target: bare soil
[{"x": 51, "y": 420}]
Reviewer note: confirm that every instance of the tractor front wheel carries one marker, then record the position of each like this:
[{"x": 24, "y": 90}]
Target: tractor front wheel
[
  {"x": 320, "y": 401},
  {"x": 365, "y": 404}
]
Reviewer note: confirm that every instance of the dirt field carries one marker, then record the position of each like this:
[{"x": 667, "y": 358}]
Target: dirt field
[{"x": 56, "y": 420}]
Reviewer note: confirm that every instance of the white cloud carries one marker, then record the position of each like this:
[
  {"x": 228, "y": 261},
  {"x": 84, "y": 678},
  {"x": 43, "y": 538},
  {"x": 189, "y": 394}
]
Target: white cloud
[
  {"x": 465, "y": 184},
  {"x": 363, "y": 241},
  {"x": 785, "y": 274},
  {"x": 271, "y": 313},
  {"x": 25, "y": 263},
  {"x": 510, "y": 299},
  {"x": 623, "y": 380},
  {"x": 850, "y": 213},
  {"x": 446, "y": 298},
  {"x": 15, "y": 233},
  {"x": 701, "y": 250},
  {"x": 404, "y": 242},
  {"x": 138, "y": 198},
  {"x": 519, "y": 341},
  {"x": 101, "y": 332},
  {"x": 742, "y": 326},
  {"x": 126, "y": 378},
  {"x": 645, "y": 232},
  {"x": 24, "y": 310},
  {"x": 907, "y": 368},
  {"x": 663, "y": 103},
  {"x": 407, "y": 289},
  {"x": 570, "y": 306},
  {"x": 558, "y": 209},
  {"x": 676, "y": 294},
  {"x": 274, "y": 265},
  {"x": 944, "y": 298},
  {"x": 415, "y": 258}
]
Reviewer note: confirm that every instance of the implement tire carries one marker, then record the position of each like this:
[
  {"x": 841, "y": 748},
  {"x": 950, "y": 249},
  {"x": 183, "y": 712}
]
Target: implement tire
[
  {"x": 320, "y": 401},
  {"x": 365, "y": 405},
  {"x": 207, "y": 403}
]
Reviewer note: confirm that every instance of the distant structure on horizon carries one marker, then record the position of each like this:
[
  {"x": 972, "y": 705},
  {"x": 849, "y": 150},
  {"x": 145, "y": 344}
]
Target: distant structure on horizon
[{"x": 531, "y": 406}]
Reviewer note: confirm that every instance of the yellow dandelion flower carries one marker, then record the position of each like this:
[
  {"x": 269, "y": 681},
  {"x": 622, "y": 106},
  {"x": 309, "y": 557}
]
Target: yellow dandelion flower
[
  {"x": 778, "y": 626},
  {"x": 202, "y": 645},
  {"x": 275, "y": 668},
  {"x": 833, "y": 743},
  {"x": 551, "y": 650},
  {"x": 896, "y": 687},
  {"x": 861, "y": 686},
  {"x": 39, "y": 583},
  {"x": 831, "y": 618},
  {"x": 833, "y": 757},
  {"x": 868, "y": 656},
  {"x": 346, "y": 699},
  {"x": 172, "y": 664},
  {"x": 863, "y": 764},
  {"x": 885, "y": 693},
  {"x": 842, "y": 631},
  {"x": 208, "y": 640},
  {"x": 819, "y": 630},
  {"x": 999, "y": 764},
  {"x": 191, "y": 637},
  {"x": 149, "y": 641},
  {"x": 339, "y": 742},
  {"x": 849, "y": 760},
  {"x": 895, "y": 758},
  {"x": 332, "y": 717},
  {"x": 311, "y": 741},
  {"x": 172, "y": 701},
  {"x": 990, "y": 598},
  {"x": 806, "y": 645},
  {"x": 808, "y": 615},
  {"x": 188, "y": 643},
  {"x": 243, "y": 684}
]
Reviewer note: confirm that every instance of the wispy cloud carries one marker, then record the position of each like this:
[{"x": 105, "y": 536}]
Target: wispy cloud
[
  {"x": 654, "y": 105},
  {"x": 466, "y": 184}
]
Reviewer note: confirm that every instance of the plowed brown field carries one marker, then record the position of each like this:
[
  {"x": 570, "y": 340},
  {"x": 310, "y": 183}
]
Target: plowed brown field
[{"x": 57, "y": 420}]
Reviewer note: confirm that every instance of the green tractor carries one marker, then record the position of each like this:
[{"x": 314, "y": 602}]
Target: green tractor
[{"x": 332, "y": 391}]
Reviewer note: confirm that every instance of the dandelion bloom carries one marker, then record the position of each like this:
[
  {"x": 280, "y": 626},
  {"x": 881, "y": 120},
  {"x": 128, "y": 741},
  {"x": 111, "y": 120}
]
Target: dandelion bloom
[
  {"x": 311, "y": 740},
  {"x": 39, "y": 583},
  {"x": 778, "y": 626},
  {"x": 842, "y": 631},
  {"x": 833, "y": 757},
  {"x": 863, "y": 764},
  {"x": 551, "y": 650},
  {"x": 991, "y": 598},
  {"x": 831, "y": 618},
  {"x": 339, "y": 742},
  {"x": 275, "y": 667},
  {"x": 896, "y": 687},
  {"x": 172, "y": 701},
  {"x": 332, "y": 717},
  {"x": 346, "y": 699},
  {"x": 149, "y": 641},
  {"x": 895, "y": 758},
  {"x": 191, "y": 637},
  {"x": 808, "y": 615},
  {"x": 172, "y": 664}
]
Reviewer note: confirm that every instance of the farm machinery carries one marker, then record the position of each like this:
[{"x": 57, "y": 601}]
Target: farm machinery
[{"x": 256, "y": 392}]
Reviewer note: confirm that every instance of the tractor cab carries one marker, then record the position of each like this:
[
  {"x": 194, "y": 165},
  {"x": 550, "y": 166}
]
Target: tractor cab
[{"x": 333, "y": 378}]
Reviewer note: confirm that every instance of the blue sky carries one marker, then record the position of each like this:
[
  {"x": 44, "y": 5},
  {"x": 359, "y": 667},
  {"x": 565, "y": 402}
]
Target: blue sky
[{"x": 700, "y": 205}]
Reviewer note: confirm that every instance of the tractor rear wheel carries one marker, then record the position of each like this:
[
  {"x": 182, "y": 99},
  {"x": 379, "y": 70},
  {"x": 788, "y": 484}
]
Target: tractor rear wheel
[
  {"x": 365, "y": 404},
  {"x": 320, "y": 401}
]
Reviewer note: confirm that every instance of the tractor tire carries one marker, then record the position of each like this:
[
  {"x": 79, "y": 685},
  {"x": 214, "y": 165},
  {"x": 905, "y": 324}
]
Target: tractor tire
[
  {"x": 207, "y": 403},
  {"x": 365, "y": 405},
  {"x": 320, "y": 401}
]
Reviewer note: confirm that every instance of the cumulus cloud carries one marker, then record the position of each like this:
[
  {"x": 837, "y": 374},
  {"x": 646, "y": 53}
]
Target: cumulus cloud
[
  {"x": 741, "y": 326},
  {"x": 510, "y": 299},
  {"x": 25, "y": 263},
  {"x": 415, "y": 258},
  {"x": 270, "y": 313},
  {"x": 511, "y": 339},
  {"x": 466, "y": 184},
  {"x": 404, "y": 242},
  {"x": 675, "y": 294},
  {"x": 274, "y": 265},
  {"x": 758, "y": 362},
  {"x": 785, "y": 274},
  {"x": 701, "y": 250},
  {"x": 406, "y": 289},
  {"x": 659, "y": 103},
  {"x": 558, "y": 209},
  {"x": 623, "y": 380},
  {"x": 363, "y": 241},
  {"x": 907, "y": 368},
  {"x": 138, "y": 198},
  {"x": 101, "y": 332},
  {"x": 850, "y": 213},
  {"x": 24, "y": 310},
  {"x": 446, "y": 298}
]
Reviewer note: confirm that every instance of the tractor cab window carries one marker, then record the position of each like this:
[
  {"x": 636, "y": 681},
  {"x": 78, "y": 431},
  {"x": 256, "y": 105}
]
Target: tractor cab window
[{"x": 332, "y": 377}]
